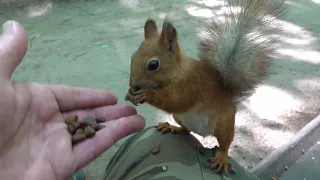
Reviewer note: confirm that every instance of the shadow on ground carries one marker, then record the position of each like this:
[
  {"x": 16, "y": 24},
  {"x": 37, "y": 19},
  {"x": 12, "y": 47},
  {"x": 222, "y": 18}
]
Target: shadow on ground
[{"x": 89, "y": 43}]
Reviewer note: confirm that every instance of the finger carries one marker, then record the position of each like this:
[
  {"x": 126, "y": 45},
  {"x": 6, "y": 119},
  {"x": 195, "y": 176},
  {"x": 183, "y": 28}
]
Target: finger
[
  {"x": 115, "y": 130},
  {"x": 13, "y": 47},
  {"x": 107, "y": 112},
  {"x": 69, "y": 98}
]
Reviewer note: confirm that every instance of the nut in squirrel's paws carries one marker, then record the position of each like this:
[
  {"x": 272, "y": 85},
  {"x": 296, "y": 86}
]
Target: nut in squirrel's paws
[
  {"x": 136, "y": 97},
  {"x": 166, "y": 127},
  {"x": 220, "y": 164}
]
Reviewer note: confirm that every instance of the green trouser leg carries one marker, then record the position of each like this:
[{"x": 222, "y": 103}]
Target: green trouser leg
[{"x": 179, "y": 158}]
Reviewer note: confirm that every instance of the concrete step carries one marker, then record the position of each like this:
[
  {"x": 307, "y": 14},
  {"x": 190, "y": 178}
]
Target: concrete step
[
  {"x": 307, "y": 167},
  {"x": 301, "y": 166}
]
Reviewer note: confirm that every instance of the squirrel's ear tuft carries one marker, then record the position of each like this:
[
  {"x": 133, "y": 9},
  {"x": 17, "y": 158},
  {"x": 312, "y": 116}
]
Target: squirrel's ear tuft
[
  {"x": 169, "y": 30},
  {"x": 150, "y": 29},
  {"x": 168, "y": 36}
]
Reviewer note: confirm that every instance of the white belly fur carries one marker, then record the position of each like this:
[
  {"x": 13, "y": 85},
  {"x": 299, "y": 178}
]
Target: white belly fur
[{"x": 196, "y": 122}]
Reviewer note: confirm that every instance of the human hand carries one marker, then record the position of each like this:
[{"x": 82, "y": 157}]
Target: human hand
[{"x": 34, "y": 141}]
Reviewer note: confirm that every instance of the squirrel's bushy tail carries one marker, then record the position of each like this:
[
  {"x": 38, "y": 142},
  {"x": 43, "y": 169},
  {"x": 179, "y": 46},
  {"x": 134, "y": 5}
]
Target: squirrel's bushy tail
[{"x": 240, "y": 45}]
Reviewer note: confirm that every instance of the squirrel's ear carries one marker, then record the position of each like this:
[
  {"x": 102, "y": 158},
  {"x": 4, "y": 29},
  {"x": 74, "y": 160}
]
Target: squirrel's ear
[
  {"x": 150, "y": 29},
  {"x": 168, "y": 36}
]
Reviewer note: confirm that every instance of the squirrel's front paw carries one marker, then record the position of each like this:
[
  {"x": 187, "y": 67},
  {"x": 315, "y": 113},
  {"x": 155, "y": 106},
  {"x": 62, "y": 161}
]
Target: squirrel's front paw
[{"x": 136, "y": 97}]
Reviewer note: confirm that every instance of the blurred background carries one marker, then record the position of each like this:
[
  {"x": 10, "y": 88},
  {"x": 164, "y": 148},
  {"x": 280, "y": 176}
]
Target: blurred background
[{"x": 89, "y": 43}]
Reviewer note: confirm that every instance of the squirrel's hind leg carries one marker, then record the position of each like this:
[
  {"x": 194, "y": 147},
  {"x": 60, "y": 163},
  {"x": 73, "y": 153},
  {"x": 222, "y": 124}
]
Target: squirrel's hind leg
[
  {"x": 166, "y": 127},
  {"x": 224, "y": 131}
]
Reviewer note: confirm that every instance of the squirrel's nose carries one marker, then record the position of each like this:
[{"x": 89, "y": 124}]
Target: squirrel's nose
[
  {"x": 131, "y": 83},
  {"x": 134, "y": 85}
]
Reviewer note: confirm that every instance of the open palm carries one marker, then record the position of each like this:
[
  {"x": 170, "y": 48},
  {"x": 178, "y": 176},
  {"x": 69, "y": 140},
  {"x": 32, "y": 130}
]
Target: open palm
[{"x": 34, "y": 141}]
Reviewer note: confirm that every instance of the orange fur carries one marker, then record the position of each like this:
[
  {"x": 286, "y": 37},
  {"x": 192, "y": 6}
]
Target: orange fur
[
  {"x": 185, "y": 84},
  {"x": 202, "y": 95}
]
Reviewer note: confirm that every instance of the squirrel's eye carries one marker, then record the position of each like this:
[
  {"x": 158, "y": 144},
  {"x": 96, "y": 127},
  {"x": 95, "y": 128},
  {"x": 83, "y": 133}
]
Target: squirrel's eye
[{"x": 153, "y": 65}]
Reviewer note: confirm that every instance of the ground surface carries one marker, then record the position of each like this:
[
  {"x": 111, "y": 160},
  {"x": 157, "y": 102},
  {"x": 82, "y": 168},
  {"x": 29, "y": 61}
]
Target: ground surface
[
  {"x": 89, "y": 43},
  {"x": 311, "y": 159}
]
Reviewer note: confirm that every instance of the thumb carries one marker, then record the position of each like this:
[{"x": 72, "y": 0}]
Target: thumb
[{"x": 13, "y": 47}]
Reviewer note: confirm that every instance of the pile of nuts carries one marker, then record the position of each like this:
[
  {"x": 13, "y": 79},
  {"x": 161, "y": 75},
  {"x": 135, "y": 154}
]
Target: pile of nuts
[{"x": 84, "y": 129}]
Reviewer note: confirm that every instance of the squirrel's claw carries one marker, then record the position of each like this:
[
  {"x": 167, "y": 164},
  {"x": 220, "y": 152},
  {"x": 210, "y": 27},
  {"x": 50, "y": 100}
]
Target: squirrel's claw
[
  {"x": 129, "y": 97},
  {"x": 166, "y": 127},
  {"x": 139, "y": 97},
  {"x": 139, "y": 92},
  {"x": 136, "y": 97},
  {"x": 221, "y": 165}
]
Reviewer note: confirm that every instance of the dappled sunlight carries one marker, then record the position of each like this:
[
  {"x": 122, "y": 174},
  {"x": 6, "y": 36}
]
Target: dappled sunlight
[
  {"x": 220, "y": 13},
  {"x": 293, "y": 29},
  {"x": 226, "y": 10},
  {"x": 39, "y": 10},
  {"x": 242, "y": 117},
  {"x": 28, "y": 8},
  {"x": 199, "y": 12},
  {"x": 273, "y": 138},
  {"x": 138, "y": 6},
  {"x": 303, "y": 37},
  {"x": 162, "y": 15},
  {"x": 316, "y": 1},
  {"x": 271, "y": 102},
  {"x": 301, "y": 54},
  {"x": 130, "y": 3},
  {"x": 208, "y": 142},
  {"x": 296, "y": 41},
  {"x": 310, "y": 83},
  {"x": 211, "y": 3},
  {"x": 292, "y": 3}
]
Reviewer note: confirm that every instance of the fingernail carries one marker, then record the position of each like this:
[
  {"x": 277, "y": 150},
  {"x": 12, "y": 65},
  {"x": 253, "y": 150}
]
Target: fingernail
[{"x": 7, "y": 26}]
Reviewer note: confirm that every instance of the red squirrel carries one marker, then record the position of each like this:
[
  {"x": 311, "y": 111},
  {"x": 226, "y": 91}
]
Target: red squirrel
[{"x": 202, "y": 94}]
